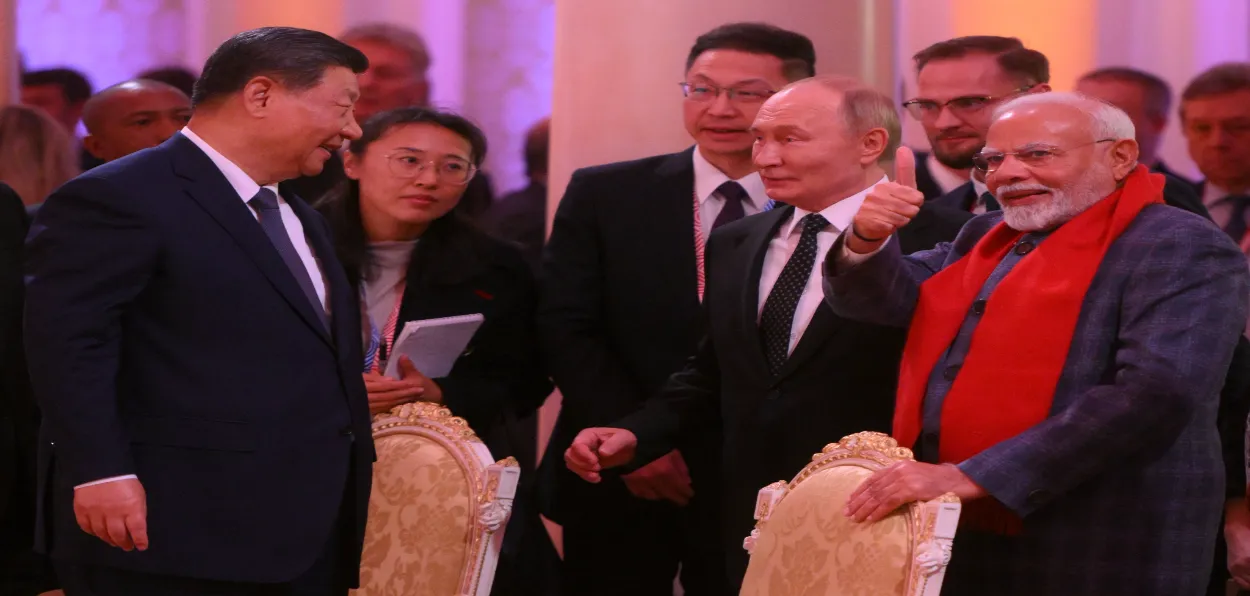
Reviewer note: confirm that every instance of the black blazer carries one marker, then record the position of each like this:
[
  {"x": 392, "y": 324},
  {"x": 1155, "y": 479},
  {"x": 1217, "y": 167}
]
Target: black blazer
[
  {"x": 167, "y": 339},
  {"x": 620, "y": 308},
  {"x": 19, "y": 418},
  {"x": 1176, "y": 192},
  {"x": 520, "y": 217},
  {"x": 839, "y": 380}
]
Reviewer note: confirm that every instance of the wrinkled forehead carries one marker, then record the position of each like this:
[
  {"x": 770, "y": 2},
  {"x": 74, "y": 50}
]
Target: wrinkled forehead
[
  {"x": 1051, "y": 125},
  {"x": 801, "y": 106}
]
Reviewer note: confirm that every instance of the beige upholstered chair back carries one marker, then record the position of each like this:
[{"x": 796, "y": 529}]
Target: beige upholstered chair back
[
  {"x": 804, "y": 544},
  {"x": 438, "y": 507}
]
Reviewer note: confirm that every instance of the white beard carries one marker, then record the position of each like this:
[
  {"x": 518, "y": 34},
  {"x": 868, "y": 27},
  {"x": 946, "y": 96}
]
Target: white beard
[{"x": 1065, "y": 203}]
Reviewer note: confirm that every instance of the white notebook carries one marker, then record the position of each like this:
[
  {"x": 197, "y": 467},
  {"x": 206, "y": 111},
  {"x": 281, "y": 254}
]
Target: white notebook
[{"x": 433, "y": 345}]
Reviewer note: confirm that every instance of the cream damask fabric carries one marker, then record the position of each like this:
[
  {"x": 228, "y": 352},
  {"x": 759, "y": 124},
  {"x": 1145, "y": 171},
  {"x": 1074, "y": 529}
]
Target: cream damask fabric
[
  {"x": 420, "y": 516},
  {"x": 809, "y": 548}
]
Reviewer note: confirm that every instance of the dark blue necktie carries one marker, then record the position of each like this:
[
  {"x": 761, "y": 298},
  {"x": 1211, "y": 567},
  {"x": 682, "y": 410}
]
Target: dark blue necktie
[
  {"x": 266, "y": 205},
  {"x": 777, "y": 318},
  {"x": 991, "y": 204},
  {"x": 734, "y": 196},
  {"x": 1236, "y": 227}
]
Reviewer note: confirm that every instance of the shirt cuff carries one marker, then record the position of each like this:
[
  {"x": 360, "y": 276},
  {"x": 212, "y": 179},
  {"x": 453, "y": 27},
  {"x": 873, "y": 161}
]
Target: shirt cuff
[
  {"x": 851, "y": 258},
  {"x": 103, "y": 480}
]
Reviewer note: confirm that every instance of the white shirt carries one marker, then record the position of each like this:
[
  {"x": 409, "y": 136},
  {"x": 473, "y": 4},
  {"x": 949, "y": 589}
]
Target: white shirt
[
  {"x": 945, "y": 178},
  {"x": 786, "y": 241},
  {"x": 978, "y": 205},
  {"x": 247, "y": 188},
  {"x": 707, "y": 178},
  {"x": 1213, "y": 198}
]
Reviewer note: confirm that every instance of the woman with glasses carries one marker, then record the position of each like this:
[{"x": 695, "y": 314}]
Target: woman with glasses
[{"x": 413, "y": 257}]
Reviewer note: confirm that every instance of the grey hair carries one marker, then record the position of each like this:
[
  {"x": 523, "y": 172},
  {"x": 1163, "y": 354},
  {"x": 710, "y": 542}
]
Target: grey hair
[
  {"x": 402, "y": 38},
  {"x": 1106, "y": 120},
  {"x": 863, "y": 108}
]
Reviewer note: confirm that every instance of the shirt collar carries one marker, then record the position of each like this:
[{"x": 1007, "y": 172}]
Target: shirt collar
[
  {"x": 839, "y": 214},
  {"x": 979, "y": 187},
  {"x": 238, "y": 179},
  {"x": 947, "y": 180},
  {"x": 707, "y": 178}
]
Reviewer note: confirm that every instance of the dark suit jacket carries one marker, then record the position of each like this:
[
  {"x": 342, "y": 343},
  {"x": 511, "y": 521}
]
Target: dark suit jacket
[
  {"x": 476, "y": 200},
  {"x": 839, "y": 380},
  {"x": 168, "y": 339},
  {"x": 1177, "y": 192},
  {"x": 1163, "y": 168},
  {"x": 1122, "y": 486},
  {"x": 521, "y": 218}
]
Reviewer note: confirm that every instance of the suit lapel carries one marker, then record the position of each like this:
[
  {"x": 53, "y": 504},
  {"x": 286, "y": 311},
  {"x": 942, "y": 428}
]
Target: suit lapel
[
  {"x": 670, "y": 214},
  {"x": 210, "y": 189},
  {"x": 755, "y": 247}
]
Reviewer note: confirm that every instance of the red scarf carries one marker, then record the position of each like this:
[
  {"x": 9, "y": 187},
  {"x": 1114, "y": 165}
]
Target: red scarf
[{"x": 1007, "y": 381}]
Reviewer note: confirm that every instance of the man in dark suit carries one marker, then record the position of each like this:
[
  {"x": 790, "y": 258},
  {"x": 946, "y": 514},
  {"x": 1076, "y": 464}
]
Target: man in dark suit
[
  {"x": 21, "y": 569},
  {"x": 780, "y": 372},
  {"x": 1050, "y": 375},
  {"x": 396, "y": 78},
  {"x": 1146, "y": 98},
  {"x": 195, "y": 347},
  {"x": 63, "y": 94},
  {"x": 521, "y": 216},
  {"x": 620, "y": 311}
]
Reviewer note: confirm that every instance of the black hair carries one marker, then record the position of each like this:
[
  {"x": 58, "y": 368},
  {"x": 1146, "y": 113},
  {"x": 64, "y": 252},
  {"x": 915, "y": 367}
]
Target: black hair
[
  {"x": 296, "y": 58},
  {"x": 74, "y": 85},
  {"x": 452, "y": 232},
  {"x": 795, "y": 50},
  {"x": 1027, "y": 67}
]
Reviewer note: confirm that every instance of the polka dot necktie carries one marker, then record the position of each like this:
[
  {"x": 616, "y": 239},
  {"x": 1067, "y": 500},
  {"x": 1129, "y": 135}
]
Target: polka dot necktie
[{"x": 778, "y": 316}]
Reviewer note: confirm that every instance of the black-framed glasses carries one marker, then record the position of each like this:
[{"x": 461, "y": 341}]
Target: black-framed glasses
[
  {"x": 927, "y": 109},
  {"x": 1033, "y": 157},
  {"x": 743, "y": 95},
  {"x": 452, "y": 170}
]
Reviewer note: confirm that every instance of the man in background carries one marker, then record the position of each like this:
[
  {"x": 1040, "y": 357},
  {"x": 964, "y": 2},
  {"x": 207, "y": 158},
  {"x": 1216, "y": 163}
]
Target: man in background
[
  {"x": 1215, "y": 119},
  {"x": 63, "y": 94},
  {"x": 131, "y": 116},
  {"x": 1146, "y": 98},
  {"x": 521, "y": 216}
]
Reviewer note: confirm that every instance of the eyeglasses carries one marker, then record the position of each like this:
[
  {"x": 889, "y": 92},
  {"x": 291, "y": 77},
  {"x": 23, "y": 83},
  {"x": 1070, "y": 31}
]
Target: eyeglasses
[
  {"x": 925, "y": 109},
  {"x": 451, "y": 170},
  {"x": 702, "y": 92},
  {"x": 1033, "y": 157}
]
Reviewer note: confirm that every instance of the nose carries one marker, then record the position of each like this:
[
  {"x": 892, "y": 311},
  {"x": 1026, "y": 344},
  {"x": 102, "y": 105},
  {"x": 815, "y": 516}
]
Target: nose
[
  {"x": 765, "y": 154},
  {"x": 945, "y": 119},
  {"x": 351, "y": 132},
  {"x": 721, "y": 105},
  {"x": 1008, "y": 172},
  {"x": 427, "y": 176}
]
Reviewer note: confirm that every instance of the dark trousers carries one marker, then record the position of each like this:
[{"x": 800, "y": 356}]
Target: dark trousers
[
  {"x": 326, "y": 577},
  {"x": 632, "y": 547}
]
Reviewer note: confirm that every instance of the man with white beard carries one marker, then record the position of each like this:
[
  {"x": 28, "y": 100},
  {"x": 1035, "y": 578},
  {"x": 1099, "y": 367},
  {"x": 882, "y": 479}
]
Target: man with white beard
[{"x": 1063, "y": 361}]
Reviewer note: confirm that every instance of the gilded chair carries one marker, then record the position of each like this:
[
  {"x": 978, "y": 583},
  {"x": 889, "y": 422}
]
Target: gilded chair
[
  {"x": 438, "y": 508},
  {"x": 804, "y": 544}
]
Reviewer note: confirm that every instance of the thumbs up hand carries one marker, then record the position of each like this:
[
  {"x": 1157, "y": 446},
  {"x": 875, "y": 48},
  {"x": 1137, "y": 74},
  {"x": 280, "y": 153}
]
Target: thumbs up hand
[{"x": 888, "y": 207}]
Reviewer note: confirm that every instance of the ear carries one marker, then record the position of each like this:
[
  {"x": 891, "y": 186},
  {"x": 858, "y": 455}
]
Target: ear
[
  {"x": 872, "y": 145},
  {"x": 351, "y": 165},
  {"x": 258, "y": 95},
  {"x": 1123, "y": 154},
  {"x": 93, "y": 146}
]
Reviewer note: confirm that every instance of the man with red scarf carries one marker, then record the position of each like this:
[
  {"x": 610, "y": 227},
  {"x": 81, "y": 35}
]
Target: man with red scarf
[{"x": 1063, "y": 364}]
